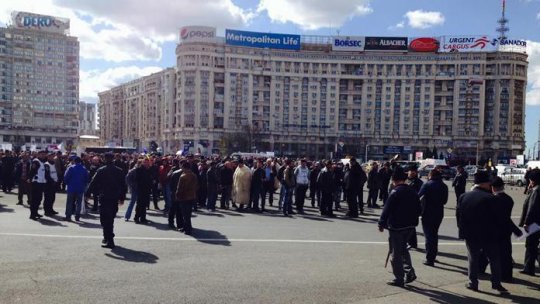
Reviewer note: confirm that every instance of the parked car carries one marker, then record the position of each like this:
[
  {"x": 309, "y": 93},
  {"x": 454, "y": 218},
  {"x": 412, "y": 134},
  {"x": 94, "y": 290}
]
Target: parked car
[
  {"x": 514, "y": 176},
  {"x": 446, "y": 171},
  {"x": 424, "y": 171}
]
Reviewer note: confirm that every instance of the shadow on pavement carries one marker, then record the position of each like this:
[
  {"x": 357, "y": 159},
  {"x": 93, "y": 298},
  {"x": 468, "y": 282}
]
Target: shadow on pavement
[
  {"x": 4, "y": 209},
  {"x": 130, "y": 255},
  {"x": 48, "y": 222},
  {"x": 88, "y": 225},
  {"x": 210, "y": 237},
  {"x": 442, "y": 237},
  {"x": 440, "y": 296}
]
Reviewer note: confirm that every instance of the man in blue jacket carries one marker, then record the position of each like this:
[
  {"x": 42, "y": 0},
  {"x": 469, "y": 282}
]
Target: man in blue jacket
[
  {"x": 434, "y": 194},
  {"x": 76, "y": 179},
  {"x": 399, "y": 217}
]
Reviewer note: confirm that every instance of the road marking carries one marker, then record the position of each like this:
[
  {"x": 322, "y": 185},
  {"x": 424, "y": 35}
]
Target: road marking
[{"x": 223, "y": 240}]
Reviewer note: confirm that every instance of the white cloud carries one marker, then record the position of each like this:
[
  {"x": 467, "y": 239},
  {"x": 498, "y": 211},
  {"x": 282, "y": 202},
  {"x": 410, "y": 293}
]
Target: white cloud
[
  {"x": 130, "y": 30},
  {"x": 95, "y": 81},
  {"x": 533, "y": 73},
  {"x": 314, "y": 14},
  {"x": 420, "y": 19}
]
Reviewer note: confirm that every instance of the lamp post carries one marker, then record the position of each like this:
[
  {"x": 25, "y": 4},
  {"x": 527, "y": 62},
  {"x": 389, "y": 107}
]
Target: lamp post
[{"x": 366, "y": 153}]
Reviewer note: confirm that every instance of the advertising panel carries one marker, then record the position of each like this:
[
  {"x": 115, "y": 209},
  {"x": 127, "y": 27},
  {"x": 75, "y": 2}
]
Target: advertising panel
[
  {"x": 262, "y": 40},
  {"x": 348, "y": 43},
  {"x": 386, "y": 44},
  {"x": 392, "y": 149},
  {"x": 45, "y": 23},
  {"x": 424, "y": 44},
  {"x": 512, "y": 45},
  {"x": 197, "y": 34},
  {"x": 468, "y": 44}
]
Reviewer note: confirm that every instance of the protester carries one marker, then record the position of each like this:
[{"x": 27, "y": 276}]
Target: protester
[
  {"x": 76, "y": 179},
  {"x": 460, "y": 181},
  {"x": 241, "y": 185},
  {"x": 186, "y": 195},
  {"x": 399, "y": 217},
  {"x": 301, "y": 174},
  {"x": 531, "y": 215}
]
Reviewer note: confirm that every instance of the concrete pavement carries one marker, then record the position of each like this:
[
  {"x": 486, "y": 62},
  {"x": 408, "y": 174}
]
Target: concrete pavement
[{"x": 231, "y": 258}]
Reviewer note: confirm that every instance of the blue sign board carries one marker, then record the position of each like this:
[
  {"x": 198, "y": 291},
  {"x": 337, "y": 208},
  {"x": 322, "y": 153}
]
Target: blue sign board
[
  {"x": 392, "y": 150},
  {"x": 262, "y": 40}
]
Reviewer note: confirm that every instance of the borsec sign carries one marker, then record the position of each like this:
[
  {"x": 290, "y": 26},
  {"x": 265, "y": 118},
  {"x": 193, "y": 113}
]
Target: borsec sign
[
  {"x": 348, "y": 43},
  {"x": 197, "y": 33},
  {"x": 426, "y": 44}
]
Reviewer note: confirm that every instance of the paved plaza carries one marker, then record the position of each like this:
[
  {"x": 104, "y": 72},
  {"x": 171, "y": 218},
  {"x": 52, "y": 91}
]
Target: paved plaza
[{"x": 232, "y": 258}]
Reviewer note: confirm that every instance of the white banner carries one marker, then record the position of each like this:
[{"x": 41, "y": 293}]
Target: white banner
[
  {"x": 348, "y": 43},
  {"x": 468, "y": 44}
]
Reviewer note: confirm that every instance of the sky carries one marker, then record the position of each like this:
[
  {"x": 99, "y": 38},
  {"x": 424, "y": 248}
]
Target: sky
[{"x": 125, "y": 39}]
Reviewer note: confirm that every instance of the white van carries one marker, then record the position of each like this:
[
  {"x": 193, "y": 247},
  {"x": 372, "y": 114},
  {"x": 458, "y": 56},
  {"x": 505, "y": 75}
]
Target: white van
[{"x": 533, "y": 164}]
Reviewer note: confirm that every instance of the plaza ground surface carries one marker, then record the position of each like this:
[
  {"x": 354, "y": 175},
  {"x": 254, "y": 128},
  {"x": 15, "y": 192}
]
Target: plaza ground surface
[{"x": 232, "y": 258}]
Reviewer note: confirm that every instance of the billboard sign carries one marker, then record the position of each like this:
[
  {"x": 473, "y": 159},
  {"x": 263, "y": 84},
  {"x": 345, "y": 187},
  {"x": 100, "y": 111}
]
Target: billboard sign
[
  {"x": 348, "y": 43},
  {"x": 425, "y": 44},
  {"x": 262, "y": 40},
  {"x": 24, "y": 20},
  {"x": 468, "y": 44},
  {"x": 197, "y": 34},
  {"x": 386, "y": 44},
  {"x": 392, "y": 149},
  {"x": 511, "y": 45}
]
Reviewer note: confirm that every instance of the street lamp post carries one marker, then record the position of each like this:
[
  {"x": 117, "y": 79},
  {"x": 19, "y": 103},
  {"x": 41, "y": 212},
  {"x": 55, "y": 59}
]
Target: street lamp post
[{"x": 366, "y": 153}]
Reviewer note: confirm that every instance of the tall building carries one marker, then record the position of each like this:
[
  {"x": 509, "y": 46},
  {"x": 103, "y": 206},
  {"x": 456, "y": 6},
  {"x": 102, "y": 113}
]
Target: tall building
[
  {"x": 39, "y": 81},
  {"x": 375, "y": 96},
  {"x": 137, "y": 113},
  {"x": 87, "y": 118}
]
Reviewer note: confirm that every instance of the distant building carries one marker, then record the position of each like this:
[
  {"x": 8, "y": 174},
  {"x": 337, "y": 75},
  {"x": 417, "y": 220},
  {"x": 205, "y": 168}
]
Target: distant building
[
  {"x": 316, "y": 95},
  {"x": 39, "y": 81},
  {"x": 87, "y": 118},
  {"x": 136, "y": 113}
]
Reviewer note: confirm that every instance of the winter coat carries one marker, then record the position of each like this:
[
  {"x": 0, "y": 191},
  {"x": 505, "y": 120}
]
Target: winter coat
[{"x": 241, "y": 185}]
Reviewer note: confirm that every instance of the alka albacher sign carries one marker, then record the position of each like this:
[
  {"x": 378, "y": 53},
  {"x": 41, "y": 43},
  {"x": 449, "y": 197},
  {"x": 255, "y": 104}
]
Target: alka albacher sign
[{"x": 26, "y": 20}]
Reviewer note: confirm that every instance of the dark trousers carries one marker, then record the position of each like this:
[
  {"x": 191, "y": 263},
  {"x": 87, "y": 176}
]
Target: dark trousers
[
  {"x": 175, "y": 213},
  {"x": 212, "y": 198},
  {"x": 7, "y": 182},
  {"x": 24, "y": 188},
  {"x": 326, "y": 203},
  {"x": 143, "y": 200},
  {"x": 107, "y": 213},
  {"x": 186, "y": 208},
  {"x": 383, "y": 194},
  {"x": 202, "y": 195},
  {"x": 505, "y": 254},
  {"x": 413, "y": 240},
  {"x": 95, "y": 197},
  {"x": 372, "y": 197},
  {"x": 531, "y": 252},
  {"x": 360, "y": 198},
  {"x": 37, "y": 195},
  {"x": 491, "y": 250},
  {"x": 287, "y": 200},
  {"x": 352, "y": 203},
  {"x": 256, "y": 195},
  {"x": 49, "y": 193},
  {"x": 315, "y": 196},
  {"x": 155, "y": 195},
  {"x": 431, "y": 233},
  {"x": 225, "y": 196},
  {"x": 401, "y": 259},
  {"x": 300, "y": 197},
  {"x": 268, "y": 189},
  {"x": 459, "y": 192}
]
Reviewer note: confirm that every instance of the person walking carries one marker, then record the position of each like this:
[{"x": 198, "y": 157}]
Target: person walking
[
  {"x": 175, "y": 213},
  {"x": 460, "y": 182},
  {"x": 131, "y": 182},
  {"x": 433, "y": 195},
  {"x": 109, "y": 183},
  {"x": 477, "y": 224},
  {"x": 399, "y": 217},
  {"x": 416, "y": 183},
  {"x": 76, "y": 179},
  {"x": 531, "y": 215},
  {"x": 144, "y": 189}
]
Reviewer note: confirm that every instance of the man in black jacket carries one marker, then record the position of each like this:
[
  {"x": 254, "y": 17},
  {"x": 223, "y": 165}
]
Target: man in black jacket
[
  {"x": 226, "y": 182},
  {"x": 477, "y": 224},
  {"x": 399, "y": 217},
  {"x": 314, "y": 192},
  {"x": 460, "y": 182},
  {"x": 530, "y": 215},
  {"x": 353, "y": 182},
  {"x": 111, "y": 188},
  {"x": 434, "y": 194},
  {"x": 414, "y": 182},
  {"x": 503, "y": 209},
  {"x": 144, "y": 182},
  {"x": 173, "y": 176},
  {"x": 326, "y": 184},
  {"x": 373, "y": 184}
]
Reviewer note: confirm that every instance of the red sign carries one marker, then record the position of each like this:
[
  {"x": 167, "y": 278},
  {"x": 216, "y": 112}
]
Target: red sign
[{"x": 424, "y": 45}]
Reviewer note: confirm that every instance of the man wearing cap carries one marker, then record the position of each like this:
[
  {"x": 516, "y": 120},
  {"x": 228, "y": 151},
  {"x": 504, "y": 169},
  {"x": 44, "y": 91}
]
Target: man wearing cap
[
  {"x": 434, "y": 195},
  {"x": 503, "y": 211},
  {"x": 399, "y": 217},
  {"x": 530, "y": 215},
  {"x": 109, "y": 183},
  {"x": 76, "y": 179},
  {"x": 476, "y": 220}
]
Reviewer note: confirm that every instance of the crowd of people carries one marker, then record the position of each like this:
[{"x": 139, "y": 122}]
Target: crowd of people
[{"x": 188, "y": 183}]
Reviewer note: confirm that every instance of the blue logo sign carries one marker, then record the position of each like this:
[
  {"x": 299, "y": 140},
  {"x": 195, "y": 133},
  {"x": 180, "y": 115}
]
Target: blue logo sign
[{"x": 262, "y": 40}]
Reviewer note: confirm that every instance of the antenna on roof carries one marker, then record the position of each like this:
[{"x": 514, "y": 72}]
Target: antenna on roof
[{"x": 503, "y": 23}]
